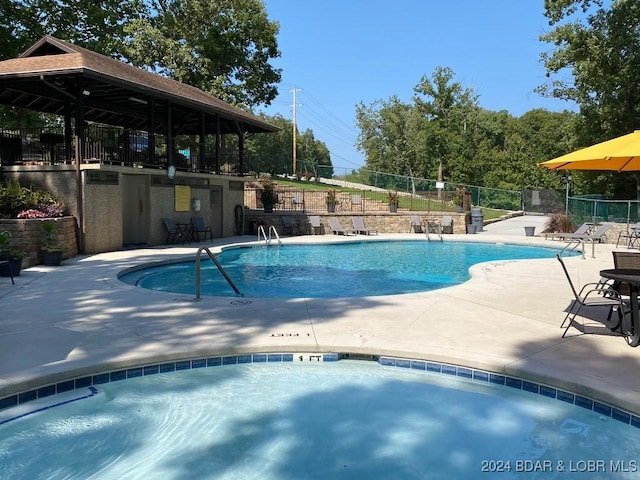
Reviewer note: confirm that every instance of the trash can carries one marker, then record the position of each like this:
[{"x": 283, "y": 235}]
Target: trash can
[
  {"x": 477, "y": 218},
  {"x": 471, "y": 229},
  {"x": 529, "y": 231}
]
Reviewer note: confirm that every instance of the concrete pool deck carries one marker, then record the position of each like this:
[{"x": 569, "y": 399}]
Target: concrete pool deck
[{"x": 60, "y": 322}]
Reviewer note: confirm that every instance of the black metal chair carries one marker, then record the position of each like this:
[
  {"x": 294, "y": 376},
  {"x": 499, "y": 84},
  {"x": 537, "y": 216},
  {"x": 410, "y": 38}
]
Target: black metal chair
[
  {"x": 174, "y": 232},
  {"x": 594, "y": 294},
  {"x": 6, "y": 262},
  {"x": 198, "y": 227}
]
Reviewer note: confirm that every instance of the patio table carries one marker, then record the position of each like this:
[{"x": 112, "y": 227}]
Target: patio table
[
  {"x": 632, "y": 278},
  {"x": 186, "y": 229}
]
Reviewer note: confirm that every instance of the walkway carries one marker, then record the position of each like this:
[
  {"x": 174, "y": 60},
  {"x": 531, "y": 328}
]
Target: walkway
[{"x": 79, "y": 318}]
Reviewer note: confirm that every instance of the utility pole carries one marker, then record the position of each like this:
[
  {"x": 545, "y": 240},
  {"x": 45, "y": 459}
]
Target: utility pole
[{"x": 295, "y": 128}]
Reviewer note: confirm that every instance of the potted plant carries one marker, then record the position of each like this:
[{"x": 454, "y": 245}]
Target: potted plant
[
  {"x": 268, "y": 196},
  {"x": 394, "y": 200},
  {"x": 331, "y": 200},
  {"x": 13, "y": 255},
  {"x": 52, "y": 250},
  {"x": 458, "y": 200}
]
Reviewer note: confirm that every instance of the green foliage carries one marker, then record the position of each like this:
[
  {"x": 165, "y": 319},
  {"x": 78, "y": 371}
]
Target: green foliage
[
  {"x": 594, "y": 61},
  {"x": 445, "y": 129},
  {"x": 15, "y": 199},
  {"x": 220, "y": 46},
  {"x": 268, "y": 195},
  {"x": 11, "y": 253},
  {"x": 50, "y": 241}
]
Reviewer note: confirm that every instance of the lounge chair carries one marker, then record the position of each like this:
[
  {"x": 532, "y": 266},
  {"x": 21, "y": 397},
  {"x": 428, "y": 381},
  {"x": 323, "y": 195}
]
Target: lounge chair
[
  {"x": 289, "y": 226},
  {"x": 360, "y": 227},
  {"x": 594, "y": 294},
  {"x": 198, "y": 227},
  {"x": 337, "y": 229},
  {"x": 581, "y": 230},
  {"x": 596, "y": 237},
  {"x": 316, "y": 225},
  {"x": 446, "y": 224},
  {"x": 416, "y": 224}
]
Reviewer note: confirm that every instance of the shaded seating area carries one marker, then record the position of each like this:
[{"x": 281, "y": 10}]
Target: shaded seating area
[
  {"x": 337, "y": 229},
  {"x": 198, "y": 227},
  {"x": 360, "y": 227},
  {"x": 594, "y": 294}
]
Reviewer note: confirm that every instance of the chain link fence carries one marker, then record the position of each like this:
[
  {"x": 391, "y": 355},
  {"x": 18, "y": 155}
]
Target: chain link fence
[{"x": 480, "y": 196}]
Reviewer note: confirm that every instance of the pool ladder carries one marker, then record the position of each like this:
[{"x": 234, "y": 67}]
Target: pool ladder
[
  {"x": 267, "y": 240},
  {"x": 217, "y": 264}
]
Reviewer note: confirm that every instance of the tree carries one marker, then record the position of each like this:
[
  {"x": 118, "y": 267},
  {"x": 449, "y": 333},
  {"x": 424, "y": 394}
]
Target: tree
[
  {"x": 97, "y": 26},
  {"x": 446, "y": 105},
  {"x": 601, "y": 49},
  {"x": 273, "y": 152},
  {"x": 220, "y": 46}
]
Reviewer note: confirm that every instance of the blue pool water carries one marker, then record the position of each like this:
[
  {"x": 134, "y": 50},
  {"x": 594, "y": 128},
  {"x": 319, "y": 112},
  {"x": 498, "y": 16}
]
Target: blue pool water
[
  {"x": 340, "y": 420},
  {"x": 334, "y": 270}
]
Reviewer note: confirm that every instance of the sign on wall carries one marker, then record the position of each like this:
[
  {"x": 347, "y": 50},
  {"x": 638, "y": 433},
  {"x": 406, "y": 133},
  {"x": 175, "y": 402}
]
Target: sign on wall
[{"x": 182, "y": 194}]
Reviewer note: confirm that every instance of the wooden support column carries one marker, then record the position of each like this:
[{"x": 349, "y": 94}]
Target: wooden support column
[
  {"x": 170, "y": 141},
  {"x": 241, "y": 153},
  {"x": 68, "y": 133},
  {"x": 201, "y": 147},
  {"x": 217, "y": 166},
  {"x": 151, "y": 146},
  {"x": 79, "y": 155}
]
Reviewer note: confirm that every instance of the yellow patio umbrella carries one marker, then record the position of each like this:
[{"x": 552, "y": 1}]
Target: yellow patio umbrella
[{"x": 621, "y": 154}]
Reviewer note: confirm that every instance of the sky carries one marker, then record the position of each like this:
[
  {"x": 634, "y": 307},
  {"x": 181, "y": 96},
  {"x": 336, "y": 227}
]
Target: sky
[{"x": 338, "y": 53}]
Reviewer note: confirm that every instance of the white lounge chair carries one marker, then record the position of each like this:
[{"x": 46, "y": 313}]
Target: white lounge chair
[
  {"x": 316, "y": 224},
  {"x": 581, "y": 230},
  {"x": 337, "y": 229},
  {"x": 416, "y": 224},
  {"x": 360, "y": 227}
]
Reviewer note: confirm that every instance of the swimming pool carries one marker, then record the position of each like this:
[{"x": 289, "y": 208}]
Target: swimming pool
[
  {"x": 350, "y": 269},
  {"x": 279, "y": 418}
]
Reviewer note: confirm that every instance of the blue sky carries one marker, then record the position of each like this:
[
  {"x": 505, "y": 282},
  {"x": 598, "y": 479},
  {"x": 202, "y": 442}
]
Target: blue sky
[{"x": 340, "y": 53}]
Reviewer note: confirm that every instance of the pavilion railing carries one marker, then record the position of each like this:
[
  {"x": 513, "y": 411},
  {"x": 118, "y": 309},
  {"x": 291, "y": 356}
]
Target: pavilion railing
[{"x": 115, "y": 146}]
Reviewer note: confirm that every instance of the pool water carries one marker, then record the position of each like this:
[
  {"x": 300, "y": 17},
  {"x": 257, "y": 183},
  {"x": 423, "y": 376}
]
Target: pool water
[
  {"x": 334, "y": 270},
  {"x": 341, "y": 420}
]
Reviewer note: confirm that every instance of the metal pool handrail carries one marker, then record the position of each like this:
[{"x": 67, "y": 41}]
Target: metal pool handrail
[
  {"x": 217, "y": 264},
  {"x": 264, "y": 235}
]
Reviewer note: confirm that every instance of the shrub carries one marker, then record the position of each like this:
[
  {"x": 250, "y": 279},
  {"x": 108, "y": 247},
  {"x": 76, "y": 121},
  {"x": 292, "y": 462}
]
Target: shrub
[
  {"x": 559, "y": 222},
  {"x": 22, "y": 202}
]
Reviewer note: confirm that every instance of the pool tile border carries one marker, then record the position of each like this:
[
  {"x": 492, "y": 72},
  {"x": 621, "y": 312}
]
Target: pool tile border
[{"x": 445, "y": 369}]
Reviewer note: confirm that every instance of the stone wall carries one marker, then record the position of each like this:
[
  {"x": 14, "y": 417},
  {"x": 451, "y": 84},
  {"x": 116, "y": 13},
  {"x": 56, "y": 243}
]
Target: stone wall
[
  {"x": 384, "y": 222},
  {"x": 27, "y": 234}
]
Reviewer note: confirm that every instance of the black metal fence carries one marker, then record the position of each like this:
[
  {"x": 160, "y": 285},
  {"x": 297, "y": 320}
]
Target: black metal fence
[{"x": 117, "y": 146}]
